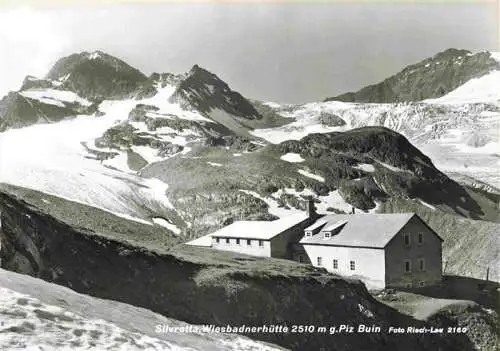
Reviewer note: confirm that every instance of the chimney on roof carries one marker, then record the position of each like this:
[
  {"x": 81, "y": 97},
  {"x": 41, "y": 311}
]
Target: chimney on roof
[
  {"x": 311, "y": 209},
  {"x": 353, "y": 211}
]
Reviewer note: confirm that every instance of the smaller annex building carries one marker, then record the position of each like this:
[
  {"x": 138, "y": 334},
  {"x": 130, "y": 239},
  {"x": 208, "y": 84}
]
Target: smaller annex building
[
  {"x": 382, "y": 250},
  {"x": 258, "y": 238}
]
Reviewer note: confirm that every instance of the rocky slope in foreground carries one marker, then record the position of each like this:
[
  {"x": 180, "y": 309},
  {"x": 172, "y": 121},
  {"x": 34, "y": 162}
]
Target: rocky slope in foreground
[
  {"x": 37, "y": 315},
  {"x": 197, "y": 286},
  {"x": 430, "y": 78}
]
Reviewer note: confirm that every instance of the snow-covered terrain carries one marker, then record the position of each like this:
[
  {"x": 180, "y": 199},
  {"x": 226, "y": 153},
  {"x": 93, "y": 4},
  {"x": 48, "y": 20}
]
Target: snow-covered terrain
[
  {"x": 49, "y": 327},
  {"x": 39, "y": 316},
  {"x": 459, "y": 131},
  {"x": 311, "y": 175},
  {"x": 483, "y": 89},
  {"x": 51, "y": 158}
]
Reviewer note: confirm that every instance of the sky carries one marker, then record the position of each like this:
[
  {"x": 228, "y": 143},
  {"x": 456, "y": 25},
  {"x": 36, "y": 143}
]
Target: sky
[{"x": 283, "y": 52}]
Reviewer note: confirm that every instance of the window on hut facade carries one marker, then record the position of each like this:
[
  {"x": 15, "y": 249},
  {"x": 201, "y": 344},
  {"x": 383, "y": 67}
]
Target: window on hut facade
[
  {"x": 335, "y": 264},
  {"x": 407, "y": 239},
  {"x": 421, "y": 264},
  {"x": 352, "y": 265},
  {"x": 249, "y": 242},
  {"x": 420, "y": 238},
  {"x": 320, "y": 261},
  {"x": 407, "y": 266}
]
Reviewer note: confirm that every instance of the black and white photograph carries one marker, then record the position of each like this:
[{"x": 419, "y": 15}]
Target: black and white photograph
[{"x": 248, "y": 175}]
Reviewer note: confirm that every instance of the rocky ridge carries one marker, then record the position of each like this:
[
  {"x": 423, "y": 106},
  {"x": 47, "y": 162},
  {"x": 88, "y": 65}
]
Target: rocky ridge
[{"x": 430, "y": 78}]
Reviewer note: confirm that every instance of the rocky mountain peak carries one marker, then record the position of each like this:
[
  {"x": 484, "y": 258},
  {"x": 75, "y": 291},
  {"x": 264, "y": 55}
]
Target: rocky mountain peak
[
  {"x": 198, "y": 76},
  {"x": 452, "y": 53},
  {"x": 427, "y": 79},
  {"x": 97, "y": 74},
  {"x": 204, "y": 91},
  {"x": 202, "y": 73}
]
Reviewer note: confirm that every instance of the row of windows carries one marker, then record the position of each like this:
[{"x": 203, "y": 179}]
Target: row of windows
[
  {"x": 407, "y": 238},
  {"x": 421, "y": 284},
  {"x": 238, "y": 241},
  {"x": 421, "y": 265},
  {"x": 335, "y": 263},
  {"x": 352, "y": 264}
]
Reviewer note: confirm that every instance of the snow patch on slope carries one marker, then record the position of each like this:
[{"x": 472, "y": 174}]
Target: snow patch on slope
[
  {"x": 94, "y": 55},
  {"x": 332, "y": 200},
  {"x": 482, "y": 89},
  {"x": 365, "y": 167},
  {"x": 55, "y": 97},
  {"x": 119, "y": 162},
  {"x": 164, "y": 223},
  {"x": 392, "y": 168},
  {"x": 274, "y": 207},
  {"x": 311, "y": 175},
  {"x": 148, "y": 153},
  {"x": 292, "y": 157},
  {"x": 161, "y": 100},
  {"x": 214, "y": 164},
  {"x": 427, "y": 205},
  {"x": 495, "y": 56}
]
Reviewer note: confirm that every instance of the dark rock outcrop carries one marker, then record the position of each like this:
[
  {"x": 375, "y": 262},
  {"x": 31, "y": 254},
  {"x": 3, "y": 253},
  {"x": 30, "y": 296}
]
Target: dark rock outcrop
[
  {"x": 125, "y": 136},
  {"x": 331, "y": 120},
  {"x": 233, "y": 142},
  {"x": 17, "y": 111},
  {"x": 138, "y": 113},
  {"x": 402, "y": 169},
  {"x": 203, "y": 128}
]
